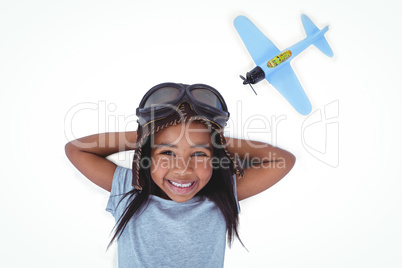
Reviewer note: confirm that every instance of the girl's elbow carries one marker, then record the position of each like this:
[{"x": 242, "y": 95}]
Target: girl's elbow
[
  {"x": 288, "y": 161},
  {"x": 292, "y": 161},
  {"x": 70, "y": 149}
]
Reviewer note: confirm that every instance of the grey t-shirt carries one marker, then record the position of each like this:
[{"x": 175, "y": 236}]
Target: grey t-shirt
[{"x": 166, "y": 233}]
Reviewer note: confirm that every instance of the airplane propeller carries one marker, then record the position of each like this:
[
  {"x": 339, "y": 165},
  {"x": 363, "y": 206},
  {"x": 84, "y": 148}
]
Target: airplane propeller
[{"x": 246, "y": 81}]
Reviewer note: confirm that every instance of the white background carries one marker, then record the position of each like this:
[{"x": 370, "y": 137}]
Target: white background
[{"x": 104, "y": 55}]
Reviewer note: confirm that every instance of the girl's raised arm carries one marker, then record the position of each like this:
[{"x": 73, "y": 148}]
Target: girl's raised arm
[
  {"x": 88, "y": 155},
  {"x": 266, "y": 165}
]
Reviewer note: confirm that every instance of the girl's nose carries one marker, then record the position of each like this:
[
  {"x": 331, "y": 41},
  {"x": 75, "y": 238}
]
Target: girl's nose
[{"x": 181, "y": 166}]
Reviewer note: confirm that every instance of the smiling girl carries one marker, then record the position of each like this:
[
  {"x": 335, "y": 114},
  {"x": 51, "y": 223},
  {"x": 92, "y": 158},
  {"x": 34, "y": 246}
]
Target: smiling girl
[{"x": 179, "y": 202}]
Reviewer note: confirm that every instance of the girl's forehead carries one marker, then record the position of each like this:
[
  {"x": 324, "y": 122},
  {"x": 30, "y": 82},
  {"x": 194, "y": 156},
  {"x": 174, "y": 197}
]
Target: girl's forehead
[{"x": 193, "y": 132}]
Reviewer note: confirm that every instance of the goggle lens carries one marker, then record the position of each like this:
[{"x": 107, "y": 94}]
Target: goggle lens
[
  {"x": 162, "y": 95},
  {"x": 206, "y": 96}
]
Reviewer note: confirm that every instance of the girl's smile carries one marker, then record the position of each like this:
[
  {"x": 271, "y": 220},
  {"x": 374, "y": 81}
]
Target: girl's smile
[{"x": 183, "y": 187}]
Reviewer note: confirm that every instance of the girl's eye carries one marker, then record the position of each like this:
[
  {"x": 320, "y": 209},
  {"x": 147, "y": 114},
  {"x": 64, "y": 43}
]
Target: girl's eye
[
  {"x": 199, "y": 154},
  {"x": 167, "y": 153}
]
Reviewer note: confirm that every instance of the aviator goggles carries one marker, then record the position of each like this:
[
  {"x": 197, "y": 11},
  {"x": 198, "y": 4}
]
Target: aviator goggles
[{"x": 164, "y": 99}]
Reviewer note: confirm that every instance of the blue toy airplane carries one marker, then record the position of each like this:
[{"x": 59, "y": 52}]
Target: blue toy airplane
[{"x": 274, "y": 65}]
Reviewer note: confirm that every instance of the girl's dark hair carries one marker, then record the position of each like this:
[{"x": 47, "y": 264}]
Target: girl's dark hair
[{"x": 219, "y": 189}]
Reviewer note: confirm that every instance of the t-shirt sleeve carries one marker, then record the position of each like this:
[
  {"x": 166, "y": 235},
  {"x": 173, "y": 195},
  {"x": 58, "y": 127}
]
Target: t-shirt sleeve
[{"x": 121, "y": 184}]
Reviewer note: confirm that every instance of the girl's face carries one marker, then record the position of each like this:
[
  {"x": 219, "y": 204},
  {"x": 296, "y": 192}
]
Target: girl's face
[{"x": 181, "y": 160}]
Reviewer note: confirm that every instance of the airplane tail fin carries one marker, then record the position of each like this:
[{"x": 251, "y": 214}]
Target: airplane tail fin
[{"x": 310, "y": 29}]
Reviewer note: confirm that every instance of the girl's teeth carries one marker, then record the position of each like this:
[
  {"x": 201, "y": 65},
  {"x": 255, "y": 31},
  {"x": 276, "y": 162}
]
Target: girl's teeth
[{"x": 181, "y": 185}]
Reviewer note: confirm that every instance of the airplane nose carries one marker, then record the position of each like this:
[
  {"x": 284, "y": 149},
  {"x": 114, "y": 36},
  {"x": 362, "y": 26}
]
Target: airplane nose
[
  {"x": 255, "y": 75},
  {"x": 248, "y": 81}
]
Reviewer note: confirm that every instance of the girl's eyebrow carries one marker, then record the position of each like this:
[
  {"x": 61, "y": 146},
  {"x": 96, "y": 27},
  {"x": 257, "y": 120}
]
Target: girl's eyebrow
[
  {"x": 164, "y": 145},
  {"x": 205, "y": 146}
]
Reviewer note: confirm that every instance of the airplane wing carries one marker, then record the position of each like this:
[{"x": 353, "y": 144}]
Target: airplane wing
[
  {"x": 258, "y": 45},
  {"x": 285, "y": 81}
]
